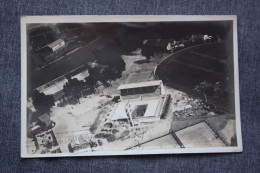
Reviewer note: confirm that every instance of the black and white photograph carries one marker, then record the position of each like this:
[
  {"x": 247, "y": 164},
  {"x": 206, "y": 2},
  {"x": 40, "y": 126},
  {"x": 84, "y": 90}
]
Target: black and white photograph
[{"x": 129, "y": 85}]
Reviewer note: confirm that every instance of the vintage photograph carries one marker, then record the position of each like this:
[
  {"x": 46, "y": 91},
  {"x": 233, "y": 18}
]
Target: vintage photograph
[{"x": 123, "y": 85}]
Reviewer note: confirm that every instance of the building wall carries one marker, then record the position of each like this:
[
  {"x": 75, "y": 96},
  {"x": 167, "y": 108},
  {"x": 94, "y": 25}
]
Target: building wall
[
  {"x": 162, "y": 89},
  {"x": 136, "y": 93},
  {"x": 58, "y": 46}
]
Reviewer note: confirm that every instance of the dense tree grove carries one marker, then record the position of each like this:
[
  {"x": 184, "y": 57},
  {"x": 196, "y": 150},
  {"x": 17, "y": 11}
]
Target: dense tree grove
[
  {"x": 112, "y": 64},
  {"x": 109, "y": 66},
  {"x": 41, "y": 102},
  {"x": 73, "y": 88}
]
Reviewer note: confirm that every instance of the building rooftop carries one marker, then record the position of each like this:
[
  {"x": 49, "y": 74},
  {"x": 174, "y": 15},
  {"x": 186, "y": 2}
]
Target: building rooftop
[
  {"x": 53, "y": 86},
  {"x": 120, "y": 112},
  {"x": 55, "y": 43},
  {"x": 81, "y": 76},
  {"x": 140, "y": 84},
  {"x": 44, "y": 118}
]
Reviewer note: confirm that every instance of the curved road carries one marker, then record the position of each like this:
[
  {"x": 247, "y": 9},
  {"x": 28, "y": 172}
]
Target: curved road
[{"x": 212, "y": 62}]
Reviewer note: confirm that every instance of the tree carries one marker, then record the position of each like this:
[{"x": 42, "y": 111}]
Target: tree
[
  {"x": 111, "y": 58},
  {"x": 148, "y": 53},
  {"x": 73, "y": 88},
  {"x": 41, "y": 102},
  {"x": 150, "y": 47},
  {"x": 110, "y": 74},
  {"x": 90, "y": 81}
]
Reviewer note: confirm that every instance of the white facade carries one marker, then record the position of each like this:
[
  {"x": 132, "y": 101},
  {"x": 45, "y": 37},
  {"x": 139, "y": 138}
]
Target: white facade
[
  {"x": 56, "y": 45},
  {"x": 140, "y": 102}
]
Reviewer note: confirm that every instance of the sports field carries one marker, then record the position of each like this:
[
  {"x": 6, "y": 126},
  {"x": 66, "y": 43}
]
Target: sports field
[
  {"x": 199, "y": 135},
  {"x": 163, "y": 142}
]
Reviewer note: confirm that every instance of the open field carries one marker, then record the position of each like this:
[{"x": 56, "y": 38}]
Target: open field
[
  {"x": 73, "y": 121},
  {"x": 199, "y": 135},
  {"x": 167, "y": 141}
]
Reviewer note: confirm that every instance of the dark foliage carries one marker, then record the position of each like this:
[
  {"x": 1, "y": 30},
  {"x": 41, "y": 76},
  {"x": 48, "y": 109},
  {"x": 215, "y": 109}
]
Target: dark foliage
[
  {"x": 73, "y": 88},
  {"x": 108, "y": 136},
  {"x": 91, "y": 81},
  {"x": 110, "y": 64},
  {"x": 41, "y": 102}
]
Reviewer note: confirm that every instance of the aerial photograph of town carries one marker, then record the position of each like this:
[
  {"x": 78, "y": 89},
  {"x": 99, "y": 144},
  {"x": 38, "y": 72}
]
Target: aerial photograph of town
[{"x": 129, "y": 86}]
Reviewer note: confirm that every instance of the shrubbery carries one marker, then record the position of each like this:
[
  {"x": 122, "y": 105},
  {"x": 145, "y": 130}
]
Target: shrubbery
[{"x": 108, "y": 136}]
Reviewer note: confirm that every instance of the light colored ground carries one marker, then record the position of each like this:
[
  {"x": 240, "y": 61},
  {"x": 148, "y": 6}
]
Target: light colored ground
[
  {"x": 163, "y": 142},
  {"x": 229, "y": 131},
  {"x": 129, "y": 61},
  {"x": 138, "y": 77},
  {"x": 132, "y": 68},
  {"x": 199, "y": 135},
  {"x": 75, "y": 120},
  {"x": 73, "y": 117},
  {"x": 145, "y": 134},
  {"x": 31, "y": 148}
]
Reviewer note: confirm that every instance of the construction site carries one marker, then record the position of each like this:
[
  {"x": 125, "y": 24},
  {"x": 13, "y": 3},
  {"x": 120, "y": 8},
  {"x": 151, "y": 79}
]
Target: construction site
[{"x": 182, "y": 96}]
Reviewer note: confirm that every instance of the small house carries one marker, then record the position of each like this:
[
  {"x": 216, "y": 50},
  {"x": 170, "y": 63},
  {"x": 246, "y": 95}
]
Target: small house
[
  {"x": 44, "y": 120},
  {"x": 56, "y": 45}
]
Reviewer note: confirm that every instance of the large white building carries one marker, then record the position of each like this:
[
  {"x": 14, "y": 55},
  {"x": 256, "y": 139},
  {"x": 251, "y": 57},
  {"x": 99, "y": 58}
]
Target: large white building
[{"x": 142, "y": 102}]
